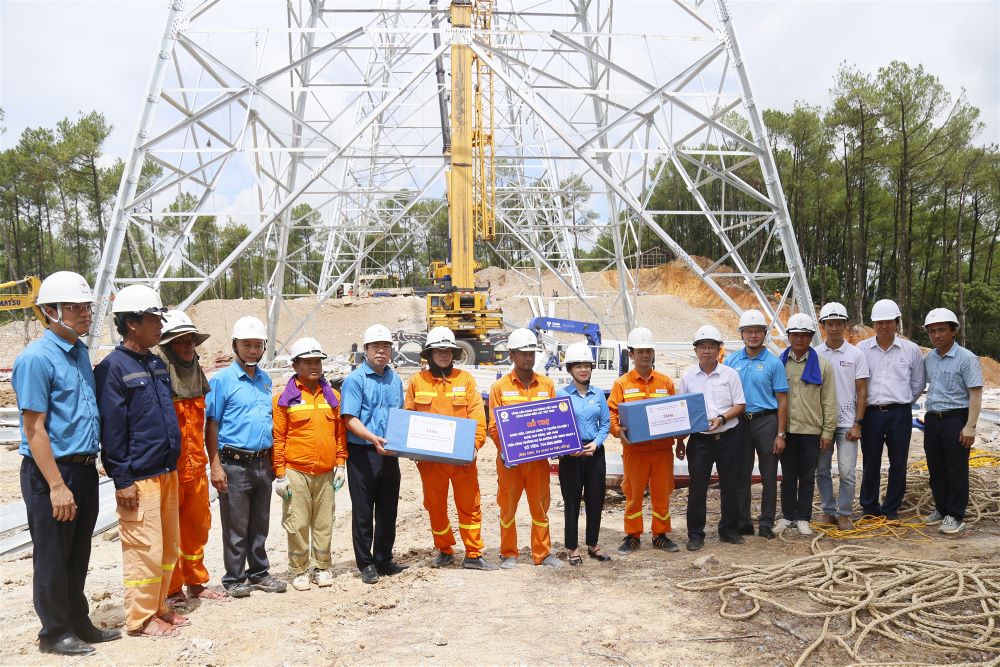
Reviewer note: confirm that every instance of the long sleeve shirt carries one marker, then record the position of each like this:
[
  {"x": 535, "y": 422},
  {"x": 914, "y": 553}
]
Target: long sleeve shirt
[
  {"x": 453, "y": 396},
  {"x": 634, "y": 387},
  {"x": 309, "y": 437},
  {"x": 509, "y": 390},
  {"x": 812, "y": 408}
]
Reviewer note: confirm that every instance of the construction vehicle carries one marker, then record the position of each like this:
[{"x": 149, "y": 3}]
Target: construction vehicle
[{"x": 23, "y": 300}]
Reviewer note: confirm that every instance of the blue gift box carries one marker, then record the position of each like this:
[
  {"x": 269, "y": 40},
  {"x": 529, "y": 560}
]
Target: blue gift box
[
  {"x": 424, "y": 436},
  {"x": 657, "y": 418}
]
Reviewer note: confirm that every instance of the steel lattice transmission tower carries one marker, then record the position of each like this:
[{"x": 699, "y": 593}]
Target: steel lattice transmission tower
[{"x": 256, "y": 108}]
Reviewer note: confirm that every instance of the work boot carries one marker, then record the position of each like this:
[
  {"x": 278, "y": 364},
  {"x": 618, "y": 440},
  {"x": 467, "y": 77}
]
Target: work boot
[
  {"x": 240, "y": 590},
  {"x": 390, "y": 568},
  {"x": 552, "y": 561},
  {"x": 442, "y": 559},
  {"x": 828, "y": 519},
  {"x": 479, "y": 563},
  {"x": 695, "y": 543},
  {"x": 301, "y": 582},
  {"x": 661, "y": 541},
  {"x": 322, "y": 578},
  {"x": 508, "y": 562},
  {"x": 369, "y": 575},
  {"x": 269, "y": 584},
  {"x": 845, "y": 523},
  {"x": 629, "y": 545}
]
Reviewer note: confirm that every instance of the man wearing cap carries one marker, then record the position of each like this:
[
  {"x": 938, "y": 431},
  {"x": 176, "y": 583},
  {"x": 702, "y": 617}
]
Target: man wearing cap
[
  {"x": 141, "y": 442},
  {"x": 310, "y": 450},
  {"x": 178, "y": 344},
  {"x": 719, "y": 445},
  {"x": 896, "y": 381},
  {"x": 240, "y": 445},
  {"x": 850, "y": 373},
  {"x": 812, "y": 421},
  {"x": 954, "y": 399},
  {"x": 445, "y": 390},
  {"x": 367, "y": 395},
  {"x": 60, "y": 436},
  {"x": 645, "y": 464},
  {"x": 763, "y": 424},
  {"x": 522, "y": 385}
]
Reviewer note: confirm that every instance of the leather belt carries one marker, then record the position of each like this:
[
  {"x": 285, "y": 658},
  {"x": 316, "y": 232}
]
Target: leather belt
[
  {"x": 889, "y": 406},
  {"x": 760, "y": 413},
  {"x": 83, "y": 459},
  {"x": 943, "y": 414},
  {"x": 243, "y": 455}
]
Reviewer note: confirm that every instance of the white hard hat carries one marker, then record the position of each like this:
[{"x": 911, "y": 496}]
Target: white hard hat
[
  {"x": 578, "y": 353},
  {"x": 439, "y": 338},
  {"x": 176, "y": 323},
  {"x": 137, "y": 299},
  {"x": 640, "y": 338},
  {"x": 800, "y": 323},
  {"x": 832, "y": 311},
  {"x": 306, "y": 348},
  {"x": 249, "y": 328},
  {"x": 523, "y": 340},
  {"x": 376, "y": 333},
  {"x": 752, "y": 318},
  {"x": 64, "y": 287},
  {"x": 707, "y": 332},
  {"x": 885, "y": 309},
  {"x": 939, "y": 315}
]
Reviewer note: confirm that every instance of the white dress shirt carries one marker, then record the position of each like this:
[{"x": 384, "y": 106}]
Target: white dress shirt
[
  {"x": 897, "y": 374},
  {"x": 722, "y": 390}
]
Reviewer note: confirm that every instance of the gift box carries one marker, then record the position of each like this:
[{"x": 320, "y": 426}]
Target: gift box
[
  {"x": 424, "y": 436},
  {"x": 665, "y": 417}
]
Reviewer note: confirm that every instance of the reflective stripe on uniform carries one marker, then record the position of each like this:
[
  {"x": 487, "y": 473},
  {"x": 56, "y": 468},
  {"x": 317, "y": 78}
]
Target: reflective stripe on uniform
[
  {"x": 507, "y": 524},
  {"x": 192, "y": 556},
  {"x": 132, "y": 583},
  {"x": 540, "y": 524},
  {"x": 634, "y": 516},
  {"x": 167, "y": 567},
  {"x": 447, "y": 529},
  {"x": 661, "y": 517},
  {"x": 469, "y": 526}
]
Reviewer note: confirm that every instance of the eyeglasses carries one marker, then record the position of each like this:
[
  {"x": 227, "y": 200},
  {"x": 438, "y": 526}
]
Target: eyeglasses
[
  {"x": 78, "y": 307},
  {"x": 380, "y": 346}
]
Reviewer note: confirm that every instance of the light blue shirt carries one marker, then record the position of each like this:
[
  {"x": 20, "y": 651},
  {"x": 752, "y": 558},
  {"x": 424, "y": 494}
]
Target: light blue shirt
[
  {"x": 242, "y": 406},
  {"x": 593, "y": 418},
  {"x": 762, "y": 377},
  {"x": 54, "y": 377},
  {"x": 369, "y": 396},
  {"x": 950, "y": 377}
]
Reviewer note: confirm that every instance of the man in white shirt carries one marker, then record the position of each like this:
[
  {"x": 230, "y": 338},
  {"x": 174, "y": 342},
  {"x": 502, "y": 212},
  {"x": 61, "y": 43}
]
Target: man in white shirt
[
  {"x": 850, "y": 371},
  {"x": 896, "y": 380},
  {"x": 721, "y": 444}
]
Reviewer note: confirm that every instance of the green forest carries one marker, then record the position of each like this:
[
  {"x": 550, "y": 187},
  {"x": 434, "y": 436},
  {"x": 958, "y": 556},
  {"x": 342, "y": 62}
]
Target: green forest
[{"x": 890, "y": 191}]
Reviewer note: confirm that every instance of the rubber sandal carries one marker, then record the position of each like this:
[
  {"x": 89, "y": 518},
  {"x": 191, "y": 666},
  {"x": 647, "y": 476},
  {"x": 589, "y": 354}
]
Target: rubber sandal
[
  {"x": 154, "y": 629},
  {"x": 598, "y": 555},
  {"x": 575, "y": 560},
  {"x": 175, "y": 619},
  {"x": 177, "y": 601}
]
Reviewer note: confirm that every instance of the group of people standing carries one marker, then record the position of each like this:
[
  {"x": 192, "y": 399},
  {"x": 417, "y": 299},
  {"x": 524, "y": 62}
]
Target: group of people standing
[{"x": 165, "y": 433}]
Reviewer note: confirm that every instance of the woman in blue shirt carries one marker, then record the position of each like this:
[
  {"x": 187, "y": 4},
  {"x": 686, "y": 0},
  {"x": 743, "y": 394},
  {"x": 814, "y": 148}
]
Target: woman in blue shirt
[{"x": 582, "y": 475}]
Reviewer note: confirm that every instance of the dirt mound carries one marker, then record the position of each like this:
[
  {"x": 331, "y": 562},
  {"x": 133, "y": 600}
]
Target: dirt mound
[{"x": 991, "y": 371}]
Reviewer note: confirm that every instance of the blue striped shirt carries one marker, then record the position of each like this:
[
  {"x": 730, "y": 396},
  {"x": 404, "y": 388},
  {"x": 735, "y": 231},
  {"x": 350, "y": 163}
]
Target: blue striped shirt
[
  {"x": 950, "y": 377},
  {"x": 593, "y": 418}
]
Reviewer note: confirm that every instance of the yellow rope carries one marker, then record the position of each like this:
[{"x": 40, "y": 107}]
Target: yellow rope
[
  {"x": 910, "y": 529},
  {"x": 978, "y": 458}
]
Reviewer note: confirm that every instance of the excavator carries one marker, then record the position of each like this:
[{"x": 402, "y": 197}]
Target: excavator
[{"x": 23, "y": 299}]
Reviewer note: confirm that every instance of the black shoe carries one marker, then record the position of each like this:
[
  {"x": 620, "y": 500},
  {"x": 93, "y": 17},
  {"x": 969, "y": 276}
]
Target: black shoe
[
  {"x": 731, "y": 538},
  {"x": 443, "y": 560},
  {"x": 598, "y": 555},
  {"x": 695, "y": 543},
  {"x": 369, "y": 575},
  {"x": 269, "y": 584},
  {"x": 661, "y": 541},
  {"x": 746, "y": 529},
  {"x": 479, "y": 564},
  {"x": 68, "y": 645},
  {"x": 95, "y": 635},
  {"x": 390, "y": 568},
  {"x": 629, "y": 544},
  {"x": 240, "y": 590},
  {"x": 766, "y": 532}
]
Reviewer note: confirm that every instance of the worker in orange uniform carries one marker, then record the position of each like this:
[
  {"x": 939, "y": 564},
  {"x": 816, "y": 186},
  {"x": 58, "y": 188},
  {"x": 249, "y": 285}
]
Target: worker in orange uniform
[
  {"x": 649, "y": 463},
  {"x": 444, "y": 390},
  {"x": 521, "y": 385},
  {"x": 178, "y": 344},
  {"x": 310, "y": 452}
]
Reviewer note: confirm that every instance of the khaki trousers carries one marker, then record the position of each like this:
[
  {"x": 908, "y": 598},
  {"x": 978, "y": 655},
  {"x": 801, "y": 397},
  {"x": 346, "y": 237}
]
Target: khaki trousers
[
  {"x": 309, "y": 510},
  {"x": 150, "y": 537}
]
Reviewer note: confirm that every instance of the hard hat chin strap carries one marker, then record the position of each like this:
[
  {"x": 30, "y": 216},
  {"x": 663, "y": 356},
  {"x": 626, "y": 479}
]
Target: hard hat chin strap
[
  {"x": 58, "y": 319},
  {"x": 250, "y": 364}
]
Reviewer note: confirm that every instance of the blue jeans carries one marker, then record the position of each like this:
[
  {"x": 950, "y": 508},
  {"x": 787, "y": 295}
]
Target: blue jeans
[{"x": 847, "y": 463}]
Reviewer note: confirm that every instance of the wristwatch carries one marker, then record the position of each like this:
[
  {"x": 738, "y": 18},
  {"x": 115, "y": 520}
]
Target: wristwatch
[
  {"x": 781, "y": 435},
  {"x": 859, "y": 422},
  {"x": 722, "y": 417}
]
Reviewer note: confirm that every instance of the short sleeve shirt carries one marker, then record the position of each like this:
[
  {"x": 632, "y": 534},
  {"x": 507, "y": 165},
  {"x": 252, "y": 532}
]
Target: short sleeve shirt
[
  {"x": 762, "y": 377},
  {"x": 950, "y": 377},
  {"x": 849, "y": 365},
  {"x": 242, "y": 406},
  {"x": 369, "y": 396},
  {"x": 722, "y": 390}
]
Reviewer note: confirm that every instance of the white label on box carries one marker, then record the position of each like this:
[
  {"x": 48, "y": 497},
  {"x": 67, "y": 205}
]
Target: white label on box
[
  {"x": 432, "y": 435},
  {"x": 668, "y": 417}
]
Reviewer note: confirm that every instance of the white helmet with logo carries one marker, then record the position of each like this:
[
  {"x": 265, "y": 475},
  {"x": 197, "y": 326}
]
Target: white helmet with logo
[
  {"x": 640, "y": 338},
  {"x": 64, "y": 287},
  {"x": 176, "y": 323},
  {"x": 523, "y": 340},
  {"x": 137, "y": 299},
  {"x": 885, "y": 309},
  {"x": 376, "y": 333},
  {"x": 439, "y": 338},
  {"x": 249, "y": 328},
  {"x": 752, "y": 318},
  {"x": 306, "y": 348},
  {"x": 833, "y": 311},
  {"x": 707, "y": 332},
  {"x": 578, "y": 353},
  {"x": 939, "y": 315},
  {"x": 800, "y": 323}
]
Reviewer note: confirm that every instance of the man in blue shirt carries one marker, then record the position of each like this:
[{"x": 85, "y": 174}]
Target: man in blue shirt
[
  {"x": 366, "y": 397},
  {"x": 954, "y": 399},
  {"x": 766, "y": 389},
  {"x": 54, "y": 384},
  {"x": 238, "y": 437}
]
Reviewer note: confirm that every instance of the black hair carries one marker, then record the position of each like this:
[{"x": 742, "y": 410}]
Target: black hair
[{"x": 122, "y": 318}]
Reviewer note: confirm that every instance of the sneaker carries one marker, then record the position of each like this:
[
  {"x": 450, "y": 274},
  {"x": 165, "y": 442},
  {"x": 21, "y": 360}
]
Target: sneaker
[
  {"x": 302, "y": 582},
  {"x": 508, "y": 562},
  {"x": 552, "y": 561},
  {"x": 269, "y": 584},
  {"x": 933, "y": 519},
  {"x": 844, "y": 523},
  {"x": 322, "y": 578},
  {"x": 781, "y": 526},
  {"x": 442, "y": 559},
  {"x": 240, "y": 590},
  {"x": 478, "y": 564},
  {"x": 661, "y": 541},
  {"x": 803, "y": 528},
  {"x": 629, "y": 545},
  {"x": 950, "y": 525}
]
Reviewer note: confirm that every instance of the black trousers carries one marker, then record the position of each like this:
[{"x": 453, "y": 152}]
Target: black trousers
[
  {"x": 61, "y": 548},
  {"x": 758, "y": 439},
  {"x": 798, "y": 475},
  {"x": 948, "y": 464},
  {"x": 373, "y": 481},
  {"x": 890, "y": 428},
  {"x": 583, "y": 477},
  {"x": 725, "y": 450},
  {"x": 245, "y": 511}
]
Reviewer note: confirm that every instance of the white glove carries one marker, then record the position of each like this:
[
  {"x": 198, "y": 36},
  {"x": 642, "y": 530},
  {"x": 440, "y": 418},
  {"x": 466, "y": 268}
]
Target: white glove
[
  {"x": 282, "y": 488},
  {"x": 339, "y": 477}
]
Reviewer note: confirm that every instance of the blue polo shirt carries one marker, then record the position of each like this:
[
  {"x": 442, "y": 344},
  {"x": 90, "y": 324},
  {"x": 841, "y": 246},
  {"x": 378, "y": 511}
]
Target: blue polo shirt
[
  {"x": 593, "y": 418},
  {"x": 369, "y": 396},
  {"x": 762, "y": 377},
  {"x": 55, "y": 377},
  {"x": 242, "y": 406},
  {"x": 950, "y": 377}
]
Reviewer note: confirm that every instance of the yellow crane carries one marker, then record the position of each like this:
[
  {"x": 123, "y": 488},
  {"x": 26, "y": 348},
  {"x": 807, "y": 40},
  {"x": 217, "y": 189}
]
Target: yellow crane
[{"x": 24, "y": 299}]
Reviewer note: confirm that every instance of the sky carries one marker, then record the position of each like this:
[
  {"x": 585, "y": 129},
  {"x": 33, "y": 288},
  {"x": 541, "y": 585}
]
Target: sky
[{"x": 58, "y": 57}]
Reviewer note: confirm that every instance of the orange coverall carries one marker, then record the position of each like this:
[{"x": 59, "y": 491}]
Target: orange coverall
[
  {"x": 531, "y": 477},
  {"x": 454, "y": 396},
  {"x": 649, "y": 463},
  {"x": 309, "y": 437},
  {"x": 194, "y": 505}
]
